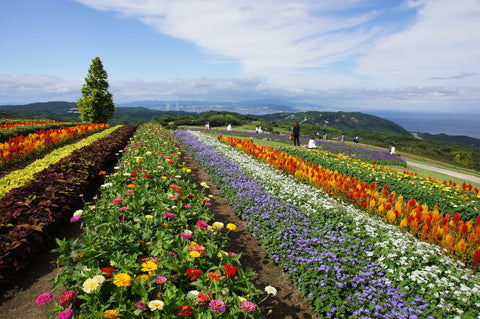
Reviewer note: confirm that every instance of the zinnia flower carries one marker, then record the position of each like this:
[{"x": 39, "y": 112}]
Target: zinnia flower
[
  {"x": 195, "y": 254},
  {"x": 107, "y": 271},
  {"x": 66, "y": 314},
  {"x": 140, "y": 305},
  {"x": 202, "y": 224},
  {"x": 44, "y": 298},
  {"x": 193, "y": 273},
  {"x": 156, "y": 305},
  {"x": 74, "y": 219},
  {"x": 122, "y": 280},
  {"x": 68, "y": 298},
  {"x": 218, "y": 225},
  {"x": 117, "y": 200},
  {"x": 214, "y": 276},
  {"x": 149, "y": 266},
  {"x": 231, "y": 270},
  {"x": 111, "y": 314},
  {"x": 248, "y": 306},
  {"x": 185, "y": 311},
  {"x": 271, "y": 290},
  {"x": 92, "y": 284},
  {"x": 160, "y": 280},
  {"x": 169, "y": 216},
  {"x": 217, "y": 305},
  {"x": 231, "y": 226}
]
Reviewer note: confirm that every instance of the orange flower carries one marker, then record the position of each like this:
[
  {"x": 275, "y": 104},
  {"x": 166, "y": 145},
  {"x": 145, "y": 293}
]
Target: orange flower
[{"x": 214, "y": 276}]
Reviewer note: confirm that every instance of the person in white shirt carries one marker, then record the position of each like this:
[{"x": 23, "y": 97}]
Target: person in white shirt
[{"x": 311, "y": 143}]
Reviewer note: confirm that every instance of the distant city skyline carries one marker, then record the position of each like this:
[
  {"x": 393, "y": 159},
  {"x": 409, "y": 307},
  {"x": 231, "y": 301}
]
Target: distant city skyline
[{"x": 353, "y": 55}]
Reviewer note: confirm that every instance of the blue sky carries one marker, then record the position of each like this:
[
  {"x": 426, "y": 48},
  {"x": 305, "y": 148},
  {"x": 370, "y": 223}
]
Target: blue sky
[{"x": 350, "y": 55}]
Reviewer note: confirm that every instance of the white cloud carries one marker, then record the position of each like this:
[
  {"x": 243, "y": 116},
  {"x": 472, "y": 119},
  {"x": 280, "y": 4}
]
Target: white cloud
[
  {"x": 443, "y": 43},
  {"x": 293, "y": 43},
  {"x": 37, "y": 88}
]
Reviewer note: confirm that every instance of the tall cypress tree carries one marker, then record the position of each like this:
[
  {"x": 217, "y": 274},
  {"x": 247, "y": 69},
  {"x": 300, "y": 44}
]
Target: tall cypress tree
[{"x": 96, "y": 106}]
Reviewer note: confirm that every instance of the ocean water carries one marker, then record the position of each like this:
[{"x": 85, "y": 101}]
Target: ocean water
[{"x": 435, "y": 123}]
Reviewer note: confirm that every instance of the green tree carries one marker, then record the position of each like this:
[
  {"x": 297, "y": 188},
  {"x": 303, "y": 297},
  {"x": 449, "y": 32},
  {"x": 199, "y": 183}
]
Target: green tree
[{"x": 96, "y": 106}]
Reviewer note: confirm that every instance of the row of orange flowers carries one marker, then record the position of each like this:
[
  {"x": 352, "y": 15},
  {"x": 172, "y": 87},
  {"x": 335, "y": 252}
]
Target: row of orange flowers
[
  {"x": 460, "y": 239},
  {"x": 17, "y": 123},
  {"x": 20, "y": 147}
]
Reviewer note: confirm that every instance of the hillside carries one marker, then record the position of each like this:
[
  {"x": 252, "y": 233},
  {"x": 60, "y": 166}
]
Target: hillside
[{"x": 341, "y": 121}]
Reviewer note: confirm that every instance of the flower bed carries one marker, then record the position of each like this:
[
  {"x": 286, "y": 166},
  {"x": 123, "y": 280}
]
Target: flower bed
[
  {"x": 13, "y": 128},
  {"x": 20, "y": 147},
  {"x": 150, "y": 248},
  {"x": 345, "y": 262},
  {"x": 32, "y": 214}
]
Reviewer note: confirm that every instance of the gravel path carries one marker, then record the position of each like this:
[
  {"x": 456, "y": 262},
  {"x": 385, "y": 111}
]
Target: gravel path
[{"x": 463, "y": 176}]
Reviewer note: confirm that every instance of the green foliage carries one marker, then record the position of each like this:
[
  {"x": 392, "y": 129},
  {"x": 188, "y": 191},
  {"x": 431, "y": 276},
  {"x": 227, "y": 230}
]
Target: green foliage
[{"x": 96, "y": 106}]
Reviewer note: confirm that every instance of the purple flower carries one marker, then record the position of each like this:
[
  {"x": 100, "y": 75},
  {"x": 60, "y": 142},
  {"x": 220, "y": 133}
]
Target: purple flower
[
  {"x": 140, "y": 305},
  {"x": 44, "y": 298}
]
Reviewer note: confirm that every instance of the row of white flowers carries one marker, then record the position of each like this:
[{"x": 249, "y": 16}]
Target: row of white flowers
[{"x": 408, "y": 262}]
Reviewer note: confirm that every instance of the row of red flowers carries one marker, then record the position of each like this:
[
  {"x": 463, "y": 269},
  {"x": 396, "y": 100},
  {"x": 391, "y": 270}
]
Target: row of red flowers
[
  {"x": 20, "y": 147},
  {"x": 460, "y": 239}
]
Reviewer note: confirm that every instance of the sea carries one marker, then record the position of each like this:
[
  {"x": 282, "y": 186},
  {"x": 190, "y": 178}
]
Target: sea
[{"x": 467, "y": 124}]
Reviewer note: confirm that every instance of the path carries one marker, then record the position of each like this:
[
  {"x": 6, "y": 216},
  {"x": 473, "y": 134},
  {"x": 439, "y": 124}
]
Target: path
[{"x": 463, "y": 176}]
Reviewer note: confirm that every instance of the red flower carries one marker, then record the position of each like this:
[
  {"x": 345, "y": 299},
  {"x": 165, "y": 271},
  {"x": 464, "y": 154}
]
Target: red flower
[
  {"x": 185, "y": 310},
  {"x": 146, "y": 176},
  {"x": 68, "y": 298},
  {"x": 193, "y": 273},
  {"x": 107, "y": 271},
  {"x": 231, "y": 270},
  {"x": 214, "y": 276},
  {"x": 204, "y": 299}
]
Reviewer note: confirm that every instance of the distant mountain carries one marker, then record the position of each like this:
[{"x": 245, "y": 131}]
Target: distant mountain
[{"x": 279, "y": 111}]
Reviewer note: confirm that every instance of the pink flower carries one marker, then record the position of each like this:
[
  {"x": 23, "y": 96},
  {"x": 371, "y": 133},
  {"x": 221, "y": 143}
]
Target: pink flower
[
  {"x": 160, "y": 280},
  {"x": 130, "y": 191},
  {"x": 187, "y": 206},
  {"x": 44, "y": 298},
  {"x": 169, "y": 216},
  {"x": 217, "y": 305},
  {"x": 248, "y": 306},
  {"x": 117, "y": 200},
  {"x": 186, "y": 236},
  {"x": 74, "y": 219},
  {"x": 202, "y": 224},
  {"x": 124, "y": 208},
  {"x": 66, "y": 314}
]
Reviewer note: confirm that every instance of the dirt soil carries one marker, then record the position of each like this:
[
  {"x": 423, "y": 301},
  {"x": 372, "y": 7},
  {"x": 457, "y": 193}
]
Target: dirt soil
[{"x": 19, "y": 301}]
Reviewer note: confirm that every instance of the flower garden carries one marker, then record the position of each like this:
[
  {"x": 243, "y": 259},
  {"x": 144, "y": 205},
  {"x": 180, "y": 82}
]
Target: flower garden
[{"x": 358, "y": 241}]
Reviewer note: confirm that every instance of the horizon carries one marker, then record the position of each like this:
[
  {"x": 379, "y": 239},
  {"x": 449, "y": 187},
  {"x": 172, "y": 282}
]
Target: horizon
[{"x": 358, "y": 55}]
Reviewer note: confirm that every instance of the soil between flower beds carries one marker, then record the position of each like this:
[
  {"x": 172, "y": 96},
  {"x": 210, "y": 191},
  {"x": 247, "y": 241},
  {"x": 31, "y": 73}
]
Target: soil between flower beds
[{"x": 19, "y": 301}]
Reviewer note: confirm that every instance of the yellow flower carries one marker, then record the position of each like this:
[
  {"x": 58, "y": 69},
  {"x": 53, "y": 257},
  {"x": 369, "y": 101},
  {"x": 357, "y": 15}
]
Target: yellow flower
[
  {"x": 122, "y": 280},
  {"x": 149, "y": 266},
  {"x": 231, "y": 226},
  {"x": 194, "y": 254},
  {"x": 142, "y": 276},
  {"x": 111, "y": 314},
  {"x": 148, "y": 216}
]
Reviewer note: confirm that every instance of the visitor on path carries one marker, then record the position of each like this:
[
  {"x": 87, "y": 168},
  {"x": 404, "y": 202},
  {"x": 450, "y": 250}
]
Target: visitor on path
[
  {"x": 296, "y": 134},
  {"x": 355, "y": 140},
  {"x": 392, "y": 149},
  {"x": 311, "y": 143},
  {"x": 207, "y": 126},
  {"x": 229, "y": 127}
]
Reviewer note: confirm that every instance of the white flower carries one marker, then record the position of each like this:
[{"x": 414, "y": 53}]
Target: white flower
[
  {"x": 192, "y": 294},
  {"x": 225, "y": 291},
  {"x": 271, "y": 290},
  {"x": 78, "y": 213},
  {"x": 156, "y": 305},
  {"x": 204, "y": 184}
]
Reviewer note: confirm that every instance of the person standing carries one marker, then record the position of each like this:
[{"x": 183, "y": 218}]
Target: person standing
[{"x": 296, "y": 134}]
